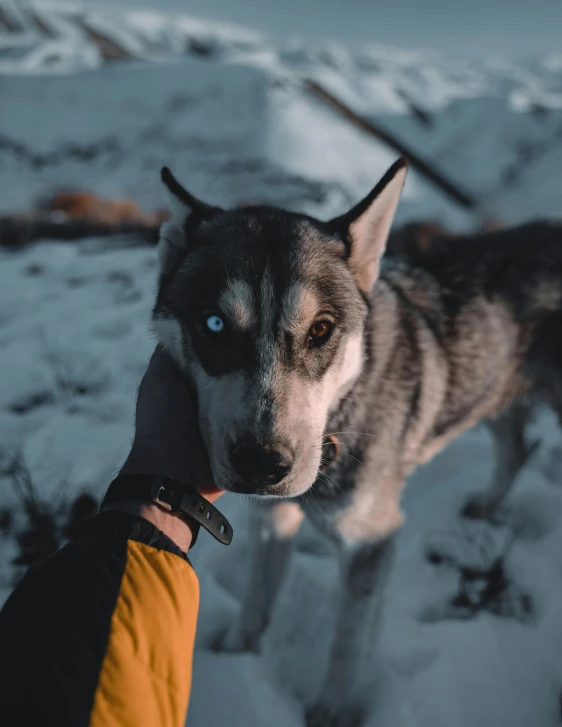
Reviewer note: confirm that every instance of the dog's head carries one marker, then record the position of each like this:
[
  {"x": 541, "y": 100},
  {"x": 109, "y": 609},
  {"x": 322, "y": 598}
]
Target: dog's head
[{"x": 264, "y": 310}]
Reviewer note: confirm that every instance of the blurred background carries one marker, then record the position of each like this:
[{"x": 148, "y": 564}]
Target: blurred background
[{"x": 303, "y": 105}]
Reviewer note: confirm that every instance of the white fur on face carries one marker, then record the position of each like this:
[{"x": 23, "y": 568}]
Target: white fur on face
[
  {"x": 238, "y": 304},
  {"x": 300, "y": 419},
  {"x": 303, "y": 416},
  {"x": 231, "y": 405},
  {"x": 300, "y": 307}
]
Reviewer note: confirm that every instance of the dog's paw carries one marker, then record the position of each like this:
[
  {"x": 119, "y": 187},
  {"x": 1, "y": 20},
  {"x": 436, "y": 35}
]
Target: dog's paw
[
  {"x": 321, "y": 715},
  {"x": 479, "y": 507},
  {"x": 233, "y": 641}
]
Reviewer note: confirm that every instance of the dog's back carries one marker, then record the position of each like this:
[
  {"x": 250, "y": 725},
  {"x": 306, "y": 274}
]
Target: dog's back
[
  {"x": 522, "y": 265},
  {"x": 510, "y": 279},
  {"x": 460, "y": 332}
]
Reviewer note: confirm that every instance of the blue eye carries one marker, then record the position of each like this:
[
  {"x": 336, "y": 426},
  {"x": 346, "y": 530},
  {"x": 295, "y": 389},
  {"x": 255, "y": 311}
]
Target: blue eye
[{"x": 215, "y": 324}]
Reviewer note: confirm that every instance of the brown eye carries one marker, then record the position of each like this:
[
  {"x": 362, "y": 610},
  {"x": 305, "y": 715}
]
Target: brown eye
[{"x": 320, "y": 332}]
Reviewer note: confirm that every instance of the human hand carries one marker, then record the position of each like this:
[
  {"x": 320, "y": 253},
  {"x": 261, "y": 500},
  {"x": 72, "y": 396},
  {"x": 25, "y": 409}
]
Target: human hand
[{"x": 167, "y": 442}]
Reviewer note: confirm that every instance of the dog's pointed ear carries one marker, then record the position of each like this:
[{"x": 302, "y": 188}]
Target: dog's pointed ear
[
  {"x": 187, "y": 213},
  {"x": 365, "y": 228}
]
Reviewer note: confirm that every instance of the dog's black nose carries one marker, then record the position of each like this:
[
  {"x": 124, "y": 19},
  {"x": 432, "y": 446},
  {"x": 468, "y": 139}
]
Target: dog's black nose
[{"x": 261, "y": 465}]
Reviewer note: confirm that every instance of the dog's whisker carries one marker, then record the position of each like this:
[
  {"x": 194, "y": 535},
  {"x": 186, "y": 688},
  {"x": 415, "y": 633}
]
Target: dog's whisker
[
  {"x": 330, "y": 480},
  {"x": 331, "y": 483},
  {"x": 363, "y": 434},
  {"x": 324, "y": 478},
  {"x": 342, "y": 452}
]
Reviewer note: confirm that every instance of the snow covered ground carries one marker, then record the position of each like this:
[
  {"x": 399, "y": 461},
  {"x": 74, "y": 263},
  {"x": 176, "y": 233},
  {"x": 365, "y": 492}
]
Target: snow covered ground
[
  {"x": 73, "y": 345},
  {"x": 236, "y": 125}
]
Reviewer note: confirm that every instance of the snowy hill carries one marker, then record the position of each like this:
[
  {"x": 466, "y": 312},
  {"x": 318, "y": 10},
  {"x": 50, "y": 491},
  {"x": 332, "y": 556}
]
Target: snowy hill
[
  {"x": 100, "y": 99},
  {"x": 492, "y": 126}
]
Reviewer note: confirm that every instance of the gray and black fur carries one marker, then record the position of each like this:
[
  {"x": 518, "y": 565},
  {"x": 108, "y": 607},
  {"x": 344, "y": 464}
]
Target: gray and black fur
[{"x": 419, "y": 349}]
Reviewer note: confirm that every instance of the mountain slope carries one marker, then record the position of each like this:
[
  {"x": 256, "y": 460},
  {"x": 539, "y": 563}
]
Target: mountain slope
[{"x": 492, "y": 126}]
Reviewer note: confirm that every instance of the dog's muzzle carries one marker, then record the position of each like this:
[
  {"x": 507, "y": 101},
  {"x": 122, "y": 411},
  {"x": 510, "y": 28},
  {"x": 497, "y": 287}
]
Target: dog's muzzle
[{"x": 261, "y": 465}]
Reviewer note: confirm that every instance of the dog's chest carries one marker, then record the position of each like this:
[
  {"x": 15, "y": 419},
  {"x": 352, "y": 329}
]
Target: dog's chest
[{"x": 332, "y": 492}]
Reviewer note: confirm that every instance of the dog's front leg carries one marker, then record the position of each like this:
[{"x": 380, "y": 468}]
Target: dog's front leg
[
  {"x": 272, "y": 530},
  {"x": 364, "y": 570}
]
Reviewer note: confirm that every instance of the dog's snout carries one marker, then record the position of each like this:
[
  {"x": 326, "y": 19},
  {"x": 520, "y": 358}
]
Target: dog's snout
[{"x": 261, "y": 465}]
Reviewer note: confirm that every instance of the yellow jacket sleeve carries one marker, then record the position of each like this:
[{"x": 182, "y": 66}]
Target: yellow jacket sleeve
[{"x": 102, "y": 633}]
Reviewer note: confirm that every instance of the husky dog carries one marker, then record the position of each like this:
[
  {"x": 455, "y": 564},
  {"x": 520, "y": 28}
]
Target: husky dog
[{"x": 295, "y": 332}]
